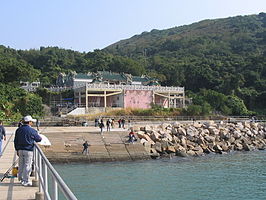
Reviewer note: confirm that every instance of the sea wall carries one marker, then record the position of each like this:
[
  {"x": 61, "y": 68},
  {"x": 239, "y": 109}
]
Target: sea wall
[{"x": 202, "y": 138}]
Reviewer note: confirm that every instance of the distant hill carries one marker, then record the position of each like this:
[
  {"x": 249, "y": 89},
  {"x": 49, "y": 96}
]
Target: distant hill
[{"x": 226, "y": 33}]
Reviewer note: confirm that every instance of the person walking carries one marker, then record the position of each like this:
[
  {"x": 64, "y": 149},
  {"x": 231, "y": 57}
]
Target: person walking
[
  {"x": 2, "y": 135},
  {"x": 86, "y": 148},
  {"x": 25, "y": 136}
]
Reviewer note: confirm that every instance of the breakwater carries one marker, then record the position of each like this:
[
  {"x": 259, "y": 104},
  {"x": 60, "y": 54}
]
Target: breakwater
[{"x": 202, "y": 138}]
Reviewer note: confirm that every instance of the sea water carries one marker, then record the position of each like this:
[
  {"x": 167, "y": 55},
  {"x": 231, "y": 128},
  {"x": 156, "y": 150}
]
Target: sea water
[{"x": 215, "y": 177}]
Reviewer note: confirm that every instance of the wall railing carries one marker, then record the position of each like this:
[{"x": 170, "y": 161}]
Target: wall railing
[
  {"x": 136, "y": 87},
  {"x": 43, "y": 171}
]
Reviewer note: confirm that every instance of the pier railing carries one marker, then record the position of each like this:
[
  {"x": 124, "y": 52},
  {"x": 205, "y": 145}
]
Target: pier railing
[{"x": 44, "y": 171}]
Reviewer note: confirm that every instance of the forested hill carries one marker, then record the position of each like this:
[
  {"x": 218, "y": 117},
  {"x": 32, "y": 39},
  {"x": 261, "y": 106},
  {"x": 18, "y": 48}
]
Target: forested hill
[
  {"x": 226, "y": 55},
  {"x": 206, "y": 35},
  {"x": 219, "y": 54},
  {"x": 219, "y": 62}
]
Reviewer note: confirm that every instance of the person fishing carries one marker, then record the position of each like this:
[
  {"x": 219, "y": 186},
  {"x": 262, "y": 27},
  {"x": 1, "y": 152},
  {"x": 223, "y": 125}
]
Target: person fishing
[
  {"x": 25, "y": 136},
  {"x": 132, "y": 137},
  {"x": 86, "y": 148}
]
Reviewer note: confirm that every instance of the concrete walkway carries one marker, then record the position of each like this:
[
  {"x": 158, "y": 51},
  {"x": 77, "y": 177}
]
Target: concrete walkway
[{"x": 10, "y": 188}]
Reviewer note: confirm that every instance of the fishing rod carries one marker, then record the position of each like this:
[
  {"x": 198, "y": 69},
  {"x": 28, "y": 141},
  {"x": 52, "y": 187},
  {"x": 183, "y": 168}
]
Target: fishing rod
[
  {"x": 8, "y": 171},
  {"x": 6, "y": 174}
]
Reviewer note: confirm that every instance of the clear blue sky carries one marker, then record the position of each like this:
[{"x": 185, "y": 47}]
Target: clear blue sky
[{"x": 85, "y": 25}]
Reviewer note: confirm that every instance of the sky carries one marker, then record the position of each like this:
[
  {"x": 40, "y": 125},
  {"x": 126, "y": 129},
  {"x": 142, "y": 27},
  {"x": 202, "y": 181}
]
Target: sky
[{"x": 86, "y": 25}]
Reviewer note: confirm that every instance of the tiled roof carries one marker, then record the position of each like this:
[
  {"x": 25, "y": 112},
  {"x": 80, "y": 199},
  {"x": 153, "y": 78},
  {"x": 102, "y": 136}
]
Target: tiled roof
[
  {"x": 106, "y": 75},
  {"x": 101, "y": 76},
  {"x": 84, "y": 76}
]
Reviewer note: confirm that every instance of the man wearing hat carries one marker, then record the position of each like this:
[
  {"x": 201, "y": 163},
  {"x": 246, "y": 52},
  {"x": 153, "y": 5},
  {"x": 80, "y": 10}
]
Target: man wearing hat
[{"x": 24, "y": 143}]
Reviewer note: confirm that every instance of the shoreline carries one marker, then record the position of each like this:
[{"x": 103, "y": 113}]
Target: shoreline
[{"x": 155, "y": 141}]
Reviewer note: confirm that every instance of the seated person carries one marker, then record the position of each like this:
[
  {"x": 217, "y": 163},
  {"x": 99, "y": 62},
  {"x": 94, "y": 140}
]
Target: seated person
[{"x": 131, "y": 136}]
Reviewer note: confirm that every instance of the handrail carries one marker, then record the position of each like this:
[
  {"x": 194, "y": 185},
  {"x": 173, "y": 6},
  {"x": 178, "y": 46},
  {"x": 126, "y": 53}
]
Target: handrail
[{"x": 42, "y": 164}]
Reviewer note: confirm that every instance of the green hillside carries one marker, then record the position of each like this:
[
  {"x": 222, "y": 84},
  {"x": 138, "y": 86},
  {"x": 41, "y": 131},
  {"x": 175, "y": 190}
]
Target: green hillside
[
  {"x": 226, "y": 55},
  {"x": 221, "y": 63}
]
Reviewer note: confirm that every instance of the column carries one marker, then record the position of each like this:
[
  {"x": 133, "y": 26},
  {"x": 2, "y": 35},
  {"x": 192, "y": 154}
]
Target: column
[
  {"x": 105, "y": 99},
  {"x": 86, "y": 98}
]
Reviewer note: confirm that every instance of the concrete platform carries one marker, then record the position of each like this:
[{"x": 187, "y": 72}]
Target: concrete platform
[{"x": 110, "y": 146}]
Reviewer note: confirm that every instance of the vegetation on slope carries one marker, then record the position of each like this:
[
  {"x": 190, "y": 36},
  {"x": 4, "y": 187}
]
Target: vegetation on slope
[{"x": 221, "y": 62}]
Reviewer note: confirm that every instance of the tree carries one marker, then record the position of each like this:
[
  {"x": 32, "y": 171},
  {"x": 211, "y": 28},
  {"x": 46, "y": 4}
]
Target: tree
[
  {"x": 237, "y": 106},
  {"x": 30, "y": 105}
]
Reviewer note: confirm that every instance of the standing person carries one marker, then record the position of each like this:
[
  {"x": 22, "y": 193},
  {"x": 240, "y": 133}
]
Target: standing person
[
  {"x": 101, "y": 125},
  {"x": 24, "y": 143},
  {"x": 129, "y": 124},
  {"x": 123, "y": 121},
  {"x": 96, "y": 122},
  {"x": 108, "y": 125},
  {"x": 38, "y": 123},
  {"x": 2, "y": 135},
  {"x": 119, "y": 123},
  {"x": 86, "y": 148},
  {"x": 20, "y": 123},
  {"x": 112, "y": 122}
]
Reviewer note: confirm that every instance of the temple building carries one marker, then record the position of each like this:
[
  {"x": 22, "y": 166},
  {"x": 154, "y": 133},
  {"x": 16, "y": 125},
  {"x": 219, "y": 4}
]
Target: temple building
[{"x": 108, "y": 90}]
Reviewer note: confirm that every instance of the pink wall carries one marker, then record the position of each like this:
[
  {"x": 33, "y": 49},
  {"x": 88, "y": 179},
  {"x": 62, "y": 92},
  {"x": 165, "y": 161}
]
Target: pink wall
[{"x": 137, "y": 99}]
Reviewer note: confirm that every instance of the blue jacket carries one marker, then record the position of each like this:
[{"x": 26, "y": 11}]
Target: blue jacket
[
  {"x": 25, "y": 137},
  {"x": 2, "y": 132}
]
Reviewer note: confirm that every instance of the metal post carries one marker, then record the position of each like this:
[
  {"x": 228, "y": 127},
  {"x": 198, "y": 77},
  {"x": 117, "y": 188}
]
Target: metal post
[
  {"x": 40, "y": 173},
  {"x": 35, "y": 162},
  {"x": 54, "y": 189},
  {"x": 45, "y": 179}
]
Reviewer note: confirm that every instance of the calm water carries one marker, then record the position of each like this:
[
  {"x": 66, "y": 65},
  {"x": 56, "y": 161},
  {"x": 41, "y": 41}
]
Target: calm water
[{"x": 233, "y": 176}]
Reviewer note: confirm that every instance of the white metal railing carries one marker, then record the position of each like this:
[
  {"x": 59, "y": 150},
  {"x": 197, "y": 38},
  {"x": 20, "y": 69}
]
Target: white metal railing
[
  {"x": 136, "y": 87},
  {"x": 42, "y": 167}
]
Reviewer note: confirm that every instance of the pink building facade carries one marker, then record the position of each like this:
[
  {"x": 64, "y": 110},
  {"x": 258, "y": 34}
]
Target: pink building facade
[
  {"x": 138, "y": 98},
  {"x": 128, "y": 96}
]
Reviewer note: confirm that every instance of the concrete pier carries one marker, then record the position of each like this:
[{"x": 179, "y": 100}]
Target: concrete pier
[{"x": 110, "y": 146}]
